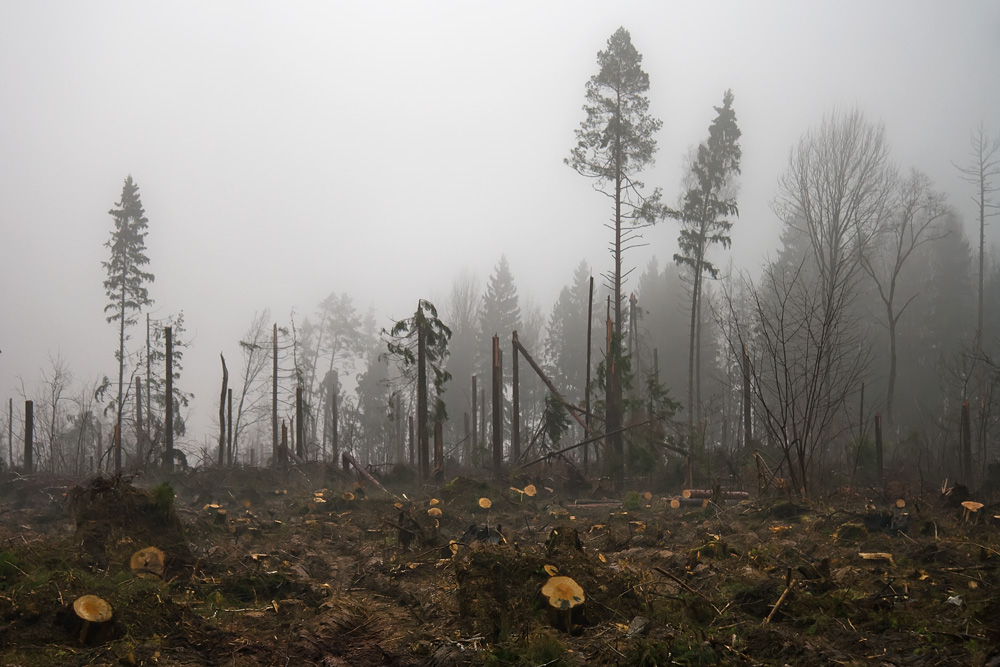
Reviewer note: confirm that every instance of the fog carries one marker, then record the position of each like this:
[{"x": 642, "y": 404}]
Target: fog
[{"x": 284, "y": 151}]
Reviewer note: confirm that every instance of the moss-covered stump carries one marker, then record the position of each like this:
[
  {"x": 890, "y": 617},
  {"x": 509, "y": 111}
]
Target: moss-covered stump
[{"x": 114, "y": 519}]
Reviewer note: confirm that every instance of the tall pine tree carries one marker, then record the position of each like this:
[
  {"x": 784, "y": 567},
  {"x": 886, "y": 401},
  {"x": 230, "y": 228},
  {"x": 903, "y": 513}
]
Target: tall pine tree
[
  {"x": 614, "y": 145},
  {"x": 126, "y": 282}
]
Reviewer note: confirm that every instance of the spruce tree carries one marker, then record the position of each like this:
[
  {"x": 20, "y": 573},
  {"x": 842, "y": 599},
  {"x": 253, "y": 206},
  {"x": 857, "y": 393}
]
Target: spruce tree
[
  {"x": 126, "y": 282},
  {"x": 704, "y": 220},
  {"x": 614, "y": 145}
]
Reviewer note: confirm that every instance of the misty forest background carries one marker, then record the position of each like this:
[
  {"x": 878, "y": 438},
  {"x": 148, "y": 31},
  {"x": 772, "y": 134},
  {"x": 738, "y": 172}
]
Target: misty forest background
[{"x": 877, "y": 309}]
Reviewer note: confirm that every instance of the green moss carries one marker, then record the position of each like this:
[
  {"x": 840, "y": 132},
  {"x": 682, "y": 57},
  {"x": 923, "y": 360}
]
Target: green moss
[
  {"x": 163, "y": 499},
  {"x": 632, "y": 501}
]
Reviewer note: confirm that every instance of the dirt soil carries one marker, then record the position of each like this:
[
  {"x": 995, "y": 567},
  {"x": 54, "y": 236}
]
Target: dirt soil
[{"x": 316, "y": 567}]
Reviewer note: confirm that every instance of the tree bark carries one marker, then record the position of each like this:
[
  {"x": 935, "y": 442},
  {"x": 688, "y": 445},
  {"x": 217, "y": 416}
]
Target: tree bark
[
  {"x": 475, "y": 421},
  {"x": 438, "y": 452},
  {"x": 222, "y": 411},
  {"x": 586, "y": 388},
  {"x": 966, "y": 444},
  {"x": 29, "y": 433},
  {"x": 168, "y": 426},
  {"x": 300, "y": 431},
  {"x": 139, "y": 433},
  {"x": 274, "y": 397},
  {"x": 229, "y": 428},
  {"x": 423, "y": 445},
  {"x": 497, "y": 408},
  {"x": 515, "y": 415}
]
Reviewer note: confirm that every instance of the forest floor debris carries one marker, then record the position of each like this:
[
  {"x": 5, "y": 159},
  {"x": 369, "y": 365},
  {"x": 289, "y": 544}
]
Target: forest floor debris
[{"x": 316, "y": 567}]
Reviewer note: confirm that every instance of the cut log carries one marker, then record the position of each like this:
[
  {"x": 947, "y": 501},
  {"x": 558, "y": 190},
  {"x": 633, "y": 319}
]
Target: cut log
[{"x": 677, "y": 503}]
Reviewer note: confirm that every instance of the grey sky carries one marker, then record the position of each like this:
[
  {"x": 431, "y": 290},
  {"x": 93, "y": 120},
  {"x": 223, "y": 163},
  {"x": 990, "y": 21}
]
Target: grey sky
[{"x": 287, "y": 150}]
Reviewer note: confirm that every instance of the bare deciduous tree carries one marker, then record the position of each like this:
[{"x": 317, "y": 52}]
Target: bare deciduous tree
[
  {"x": 255, "y": 347},
  {"x": 836, "y": 191},
  {"x": 916, "y": 212},
  {"x": 982, "y": 169},
  {"x": 806, "y": 358}
]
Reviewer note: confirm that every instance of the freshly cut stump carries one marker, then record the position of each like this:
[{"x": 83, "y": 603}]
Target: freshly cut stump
[
  {"x": 93, "y": 613},
  {"x": 149, "y": 561},
  {"x": 563, "y": 593}
]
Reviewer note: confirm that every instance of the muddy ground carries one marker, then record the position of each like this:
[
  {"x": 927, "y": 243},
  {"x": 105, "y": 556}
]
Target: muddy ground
[{"x": 316, "y": 567}]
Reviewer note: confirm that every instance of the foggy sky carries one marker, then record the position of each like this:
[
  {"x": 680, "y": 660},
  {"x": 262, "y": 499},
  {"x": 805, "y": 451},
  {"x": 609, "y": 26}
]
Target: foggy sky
[{"x": 287, "y": 150}]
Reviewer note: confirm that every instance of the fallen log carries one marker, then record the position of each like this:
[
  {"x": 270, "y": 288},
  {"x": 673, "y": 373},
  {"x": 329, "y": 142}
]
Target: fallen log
[
  {"x": 708, "y": 493},
  {"x": 586, "y": 502}
]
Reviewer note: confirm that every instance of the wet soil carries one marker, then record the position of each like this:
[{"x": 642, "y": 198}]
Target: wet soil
[{"x": 316, "y": 567}]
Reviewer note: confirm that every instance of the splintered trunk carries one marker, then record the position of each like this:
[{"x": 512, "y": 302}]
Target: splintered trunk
[
  {"x": 497, "y": 408},
  {"x": 747, "y": 418},
  {"x": 423, "y": 444},
  {"x": 515, "y": 415},
  {"x": 274, "y": 396},
  {"x": 229, "y": 427},
  {"x": 121, "y": 381},
  {"x": 966, "y": 444},
  {"x": 139, "y": 433},
  {"x": 168, "y": 420},
  {"x": 335, "y": 432},
  {"x": 400, "y": 443},
  {"x": 10, "y": 432},
  {"x": 222, "y": 411},
  {"x": 475, "y": 422},
  {"x": 300, "y": 431},
  {"x": 879, "y": 475},
  {"x": 29, "y": 433},
  {"x": 586, "y": 386},
  {"x": 438, "y": 452}
]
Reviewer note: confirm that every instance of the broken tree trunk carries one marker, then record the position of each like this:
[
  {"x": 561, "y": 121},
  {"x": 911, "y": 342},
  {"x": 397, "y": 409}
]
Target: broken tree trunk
[
  {"x": 474, "y": 453},
  {"x": 497, "y": 408},
  {"x": 168, "y": 420},
  {"x": 222, "y": 410},
  {"x": 879, "y": 475},
  {"x": 300, "y": 430},
  {"x": 347, "y": 456},
  {"x": 29, "y": 431},
  {"x": 274, "y": 398},
  {"x": 139, "y": 449},
  {"x": 423, "y": 449},
  {"x": 438, "y": 452},
  {"x": 966, "y": 444},
  {"x": 586, "y": 399},
  {"x": 229, "y": 427},
  {"x": 515, "y": 415}
]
